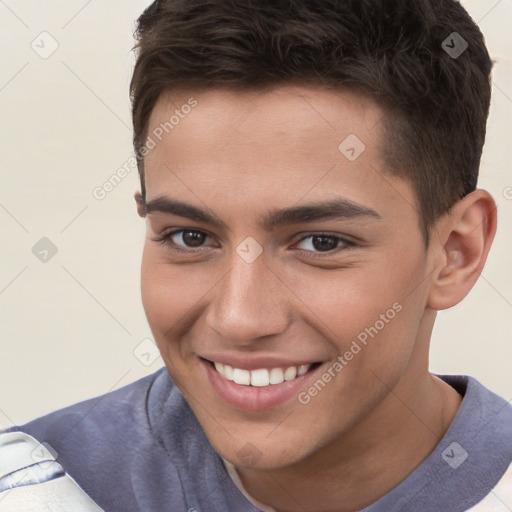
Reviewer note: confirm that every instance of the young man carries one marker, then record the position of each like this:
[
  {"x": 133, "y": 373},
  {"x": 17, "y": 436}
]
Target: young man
[{"x": 308, "y": 178}]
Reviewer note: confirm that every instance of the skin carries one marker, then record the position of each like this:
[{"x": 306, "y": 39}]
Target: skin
[{"x": 240, "y": 155}]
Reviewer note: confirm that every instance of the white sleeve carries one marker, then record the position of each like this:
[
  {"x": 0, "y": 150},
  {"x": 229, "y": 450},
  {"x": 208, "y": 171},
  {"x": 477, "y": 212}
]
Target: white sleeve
[{"x": 31, "y": 479}]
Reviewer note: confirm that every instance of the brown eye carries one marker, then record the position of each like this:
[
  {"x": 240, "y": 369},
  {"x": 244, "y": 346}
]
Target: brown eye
[
  {"x": 190, "y": 238},
  {"x": 183, "y": 240},
  {"x": 323, "y": 243}
]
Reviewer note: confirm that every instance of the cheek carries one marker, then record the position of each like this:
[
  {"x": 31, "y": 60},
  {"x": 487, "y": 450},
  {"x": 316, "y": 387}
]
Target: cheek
[
  {"x": 384, "y": 319},
  {"x": 172, "y": 295},
  {"x": 344, "y": 303},
  {"x": 378, "y": 309},
  {"x": 163, "y": 293}
]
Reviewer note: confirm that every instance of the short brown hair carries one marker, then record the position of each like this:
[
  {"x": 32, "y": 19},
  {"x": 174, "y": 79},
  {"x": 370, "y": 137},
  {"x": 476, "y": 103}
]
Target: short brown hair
[{"x": 395, "y": 51}]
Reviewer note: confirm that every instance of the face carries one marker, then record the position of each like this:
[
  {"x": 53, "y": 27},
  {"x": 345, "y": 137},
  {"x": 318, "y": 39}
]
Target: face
[{"x": 280, "y": 254}]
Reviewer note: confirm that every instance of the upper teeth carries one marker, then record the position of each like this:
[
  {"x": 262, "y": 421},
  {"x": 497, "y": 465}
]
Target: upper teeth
[{"x": 262, "y": 376}]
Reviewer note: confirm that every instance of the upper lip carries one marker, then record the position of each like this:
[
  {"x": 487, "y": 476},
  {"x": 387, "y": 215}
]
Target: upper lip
[{"x": 256, "y": 362}]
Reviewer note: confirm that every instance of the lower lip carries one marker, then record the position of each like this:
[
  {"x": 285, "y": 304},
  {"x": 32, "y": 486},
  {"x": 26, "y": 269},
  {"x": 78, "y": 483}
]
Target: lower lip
[{"x": 254, "y": 398}]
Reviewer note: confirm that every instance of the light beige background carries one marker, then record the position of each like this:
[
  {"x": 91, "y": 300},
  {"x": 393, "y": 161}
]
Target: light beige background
[{"x": 72, "y": 328}]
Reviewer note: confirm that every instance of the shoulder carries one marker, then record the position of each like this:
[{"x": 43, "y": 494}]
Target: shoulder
[
  {"x": 500, "y": 498},
  {"x": 137, "y": 448},
  {"x": 104, "y": 441},
  {"x": 470, "y": 462},
  {"x": 476, "y": 452},
  {"x": 99, "y": 415},
  {"x": 483, "y": 412}
]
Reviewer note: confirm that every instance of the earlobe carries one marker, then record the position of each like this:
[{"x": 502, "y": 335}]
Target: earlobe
[{"x": 464, "y": 239}]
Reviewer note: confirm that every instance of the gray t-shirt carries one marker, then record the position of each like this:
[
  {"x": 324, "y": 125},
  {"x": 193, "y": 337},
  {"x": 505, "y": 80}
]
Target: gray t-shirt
[{"x": 140, "y": 448}]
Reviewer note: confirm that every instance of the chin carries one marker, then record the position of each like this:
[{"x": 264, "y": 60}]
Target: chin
[{"x": 251, "y": 458}]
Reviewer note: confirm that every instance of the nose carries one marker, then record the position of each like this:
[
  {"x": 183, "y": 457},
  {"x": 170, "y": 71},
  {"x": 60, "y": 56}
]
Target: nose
[{"x": 250, "y": 302}]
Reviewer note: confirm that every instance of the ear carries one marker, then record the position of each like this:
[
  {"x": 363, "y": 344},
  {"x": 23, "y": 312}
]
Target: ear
[
  {"x": 141, "y": 204},
  {"x": 461, "y": 242}
]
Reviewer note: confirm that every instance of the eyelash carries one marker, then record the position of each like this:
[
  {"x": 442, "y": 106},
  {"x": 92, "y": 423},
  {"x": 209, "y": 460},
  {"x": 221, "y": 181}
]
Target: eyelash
[{"x": 165, "y": 239}]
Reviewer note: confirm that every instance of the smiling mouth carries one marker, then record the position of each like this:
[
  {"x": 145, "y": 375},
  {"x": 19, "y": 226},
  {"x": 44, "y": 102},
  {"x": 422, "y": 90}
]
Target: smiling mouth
[{"x": 262, "y": 377}]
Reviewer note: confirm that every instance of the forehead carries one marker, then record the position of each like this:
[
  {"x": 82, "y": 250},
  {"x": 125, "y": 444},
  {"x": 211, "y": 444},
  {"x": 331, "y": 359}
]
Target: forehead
[
  {"x": 282, "y": 145},
  {"x": 294, "y": 112}
]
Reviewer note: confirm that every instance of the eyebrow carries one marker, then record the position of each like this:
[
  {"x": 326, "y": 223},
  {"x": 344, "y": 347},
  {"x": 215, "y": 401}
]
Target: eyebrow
[{"x": 340, "y": 208}]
